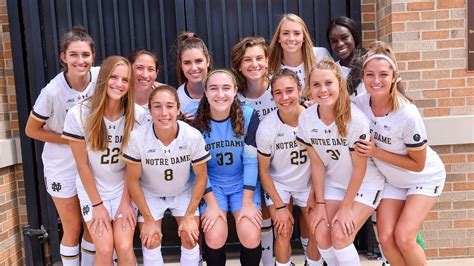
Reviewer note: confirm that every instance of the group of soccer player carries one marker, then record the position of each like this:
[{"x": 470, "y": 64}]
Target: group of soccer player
[{"x": 286, "y": 125}]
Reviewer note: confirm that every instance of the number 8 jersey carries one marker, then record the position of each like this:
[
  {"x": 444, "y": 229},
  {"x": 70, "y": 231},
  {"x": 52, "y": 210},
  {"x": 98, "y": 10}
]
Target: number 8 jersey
[
  {"x": 334, "y": 150},
  {"x": 107, "y": 168}
]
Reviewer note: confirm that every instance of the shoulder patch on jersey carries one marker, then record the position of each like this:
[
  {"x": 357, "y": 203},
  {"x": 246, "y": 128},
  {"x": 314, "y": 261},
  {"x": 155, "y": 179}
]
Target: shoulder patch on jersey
[{"x": 416, "y": 137}]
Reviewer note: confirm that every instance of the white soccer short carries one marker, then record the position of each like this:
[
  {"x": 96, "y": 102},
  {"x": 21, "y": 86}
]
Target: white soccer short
[
  {"x": 427, "y": 189},
  {"x": 370, "y": 197},
  {"x": 111, "y": 206},
  {"x": 60, "y": 187},
  {"x": 177, "y": 205},
  {"x": 299, "y": 198}
]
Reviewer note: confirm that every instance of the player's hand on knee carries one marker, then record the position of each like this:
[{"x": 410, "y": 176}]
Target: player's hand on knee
[
  {"x": 319, "y": 215},
  {"x": 283, "y": 221},
  {"x": 100, "y": 223},
  {"x": 251, "y": 212},
  {"x": 126, "y": 214},
  {"x": 150, "y": 234},
  {"x": 210, "y": 217},
  {"x": 345, "y": 218},
  {"x": 189, "y": 229}
]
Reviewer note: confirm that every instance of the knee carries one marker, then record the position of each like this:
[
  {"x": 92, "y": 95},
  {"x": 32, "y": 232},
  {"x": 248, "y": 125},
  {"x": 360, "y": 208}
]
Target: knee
[
  {"x": 323, "y": 237},
  {"x": 250, "y": 241},
  {"x": 186, "y": 243},
  {"x": 283, "y": 239},
  {"x": 338, "y": 239},
  {"x": 124, "y": 248},
  {"x": 72, "y": 231},
  {"x": 215, "y": 241},
  {"x": 386, "y": 238},
  {"x": 104, "y": 250},
  {"x": 404, "y": 242}
]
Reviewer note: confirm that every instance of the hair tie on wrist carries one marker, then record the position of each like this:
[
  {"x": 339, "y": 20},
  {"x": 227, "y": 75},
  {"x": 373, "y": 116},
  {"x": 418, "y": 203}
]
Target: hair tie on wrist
[
  {"x": 281, "y": 207},
  {"x": 97, "y": 204}
]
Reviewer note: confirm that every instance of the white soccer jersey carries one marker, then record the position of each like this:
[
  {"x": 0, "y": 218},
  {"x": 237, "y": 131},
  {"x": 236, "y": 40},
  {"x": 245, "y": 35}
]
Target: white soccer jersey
[
  {"x": 320, "y": 53},
  {"x": 107, "y": 168},
  {"x": 360, "y": 88},
  {"x": 188, "y": 104},
  {"x": 334, "y": 150},
  {"x": 263, "y": 105},
  {"x": 398, "y": 132},
  {"x": 166, "y": 170},
  {"x": 51, "y": 107},
  {"x": 289, "y": 165}
]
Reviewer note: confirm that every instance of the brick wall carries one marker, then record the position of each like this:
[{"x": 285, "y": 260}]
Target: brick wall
[
  {"x": 12, "y": 196},
  {"x": 429, "y": 38}
]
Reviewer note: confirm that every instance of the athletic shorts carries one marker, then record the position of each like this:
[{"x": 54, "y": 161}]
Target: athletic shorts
[
  {"x": 111, "y": 206},
  {"x": 177, "y": 205},
  {"x": 60, "y": 187},
  {"x": 299, "y": 198},
  {"x": 427, "y": 189},
  {"x": 370, "y": 197},
  {"x": 230, "y": 198}
]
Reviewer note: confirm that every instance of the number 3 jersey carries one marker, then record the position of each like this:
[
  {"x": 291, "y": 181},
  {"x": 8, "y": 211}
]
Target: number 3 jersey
[
  {"x": 166, "y": 170},
  {"x": 335, "y": 150},
  {"x": 234, "y": 159},
  {"x": 289, "y": 164},
  {"x": 106, "y": 166}
]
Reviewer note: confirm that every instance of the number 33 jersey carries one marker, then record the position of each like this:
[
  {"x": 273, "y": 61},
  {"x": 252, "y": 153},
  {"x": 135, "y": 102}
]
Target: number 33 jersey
[
  {"x": 106, "y": 166},
  {"x": 289, "y": 164},
  {"x": 166, "y": 170},
  {"x": 335, "y": 150}
]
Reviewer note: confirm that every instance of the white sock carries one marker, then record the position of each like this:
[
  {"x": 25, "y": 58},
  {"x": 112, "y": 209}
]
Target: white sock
[
  {"x": 347, "y": 256},
  {"x": 87, "y": 253},
  {"x": 328, "y": 256},
  {"x": 69, "y": 255},
  {"x": 314, "y": 262},
  {"x": 115, "y": 258},
  {"x": 190, "y": 256},
  {"x": 152, "y": 257},
  {"x": 304, "y": 244},
  {"x": 282, "y": 264},
  {"x": 267, "y": 242}
]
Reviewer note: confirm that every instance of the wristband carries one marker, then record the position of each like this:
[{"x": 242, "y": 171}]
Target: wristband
[
  {"x": 320, "y": 202},
  {"x": 281, "y": 207},
  {"x": 97, "y": 204}
]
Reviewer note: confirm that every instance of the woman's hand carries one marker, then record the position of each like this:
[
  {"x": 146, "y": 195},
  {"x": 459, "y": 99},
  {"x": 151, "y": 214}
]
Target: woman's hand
[
  {"x": 126, "y": 212},
  {"x": 100, "y": 220},
  {"x": 319, "y": 216},
  {"x": 366, "y": 148},
  {"x": 283, "y": 221},
  {"x": 210, "y": 216},
  {"x": 345, "y": 218},
  {"x": 150, "y": 234},
  {"x": 189, "y": 227},
  {"x": 250, "y": 211}
]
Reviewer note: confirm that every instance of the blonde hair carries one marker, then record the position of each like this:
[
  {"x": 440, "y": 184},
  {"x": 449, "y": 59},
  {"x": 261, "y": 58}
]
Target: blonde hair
[
  {"x": 343, "y": 102},
  {"x": 276, "y": 52},
  {"x": 95, "y": 125},
  {"x": 382, "y": 49}
]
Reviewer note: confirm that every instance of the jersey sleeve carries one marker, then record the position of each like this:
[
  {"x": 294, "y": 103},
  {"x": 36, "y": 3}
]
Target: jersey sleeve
[
  {"x": 414, "y": 132},
  {"x": 131, "y": 153},
  {"x": 321, "y": 53},
  {"x": 199, "y": 153},
  {"x": 358, "y": 130},
  {"x": 301, "y": 131},
  {"x": 250, "y": 154},
  {"x": 43, "y": 107},
  {"x": 140, "y": 115},
  {"x": 264, "y": 139},
  {"x": 74, "y": 127}
]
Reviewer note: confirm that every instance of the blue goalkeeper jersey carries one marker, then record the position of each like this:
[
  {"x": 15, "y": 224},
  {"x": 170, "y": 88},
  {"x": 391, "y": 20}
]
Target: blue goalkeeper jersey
[{"x": 234, "y": 159}]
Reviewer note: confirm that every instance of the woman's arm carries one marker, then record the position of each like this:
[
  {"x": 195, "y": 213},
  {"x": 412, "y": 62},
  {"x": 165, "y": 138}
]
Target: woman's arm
[{"x": 34, "y": 129}]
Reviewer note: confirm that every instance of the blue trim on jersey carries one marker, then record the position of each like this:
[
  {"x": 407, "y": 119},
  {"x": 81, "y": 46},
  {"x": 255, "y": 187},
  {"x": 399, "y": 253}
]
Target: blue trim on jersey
[
  {"x": 39, "y": 116},
  {"x": 302, "y": 141},
  {"x": 416, "y": 145},
  {"x": 249, "y": 187},
  {"x": 264, "y": 154},
  {"x": 209, "y": 189},
  {"x": 73, "y": 136},
  {"x": 131, "y": 158},
  {"x": 250, "y": 137},
  {"x": 201, "y": 159}
]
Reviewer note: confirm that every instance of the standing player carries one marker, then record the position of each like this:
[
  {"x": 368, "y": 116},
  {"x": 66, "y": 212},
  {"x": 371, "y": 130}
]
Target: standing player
[
  {"x": 284, "y": 165},
  {"x": 159, "y": 159},
  {"x": 415, "y": 174},
  {"x": 229, "y": 131},
  {"x": 192, "y": 64},
  {"x": 347, "y": 185},
  {"x": 97, "y": 130},
  {"x": 292, "y": 48},
  {"x": 46, "y": 122},
  {"x": 250, "y": 65}
]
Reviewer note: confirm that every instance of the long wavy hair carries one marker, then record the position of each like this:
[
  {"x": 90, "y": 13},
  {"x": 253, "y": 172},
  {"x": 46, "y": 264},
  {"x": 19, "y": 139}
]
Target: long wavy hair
[
  {"x": 237, "y": 55},
  {"x": 342, "y": 108},
  {"x": 202, "y": 121},
  {"x": 276, "y": 52},
  {"x": 95, "y": 125},
  {"x": 397, "y": 90},
  {"x": 188, "y": 40}
]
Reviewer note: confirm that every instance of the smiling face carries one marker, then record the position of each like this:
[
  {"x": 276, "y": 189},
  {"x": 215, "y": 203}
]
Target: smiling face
[
  {"x": 164, "y": 109},
  {"x": 254, "y": 63},
  {"x": 220, "y": 92},
  {"x": 78, "y": 58},
  {"x": 342, "y": 42},
  {"x": 324, "y": 87},
  {"x": 194, "y": 64},
  {"x": 291, "y": 36},
  {"x": 145, "y": 72},
  {"x": 117, "y": 85},
  {"x": 378, "y": 77},
  {"x": 286, "y": 94}
]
